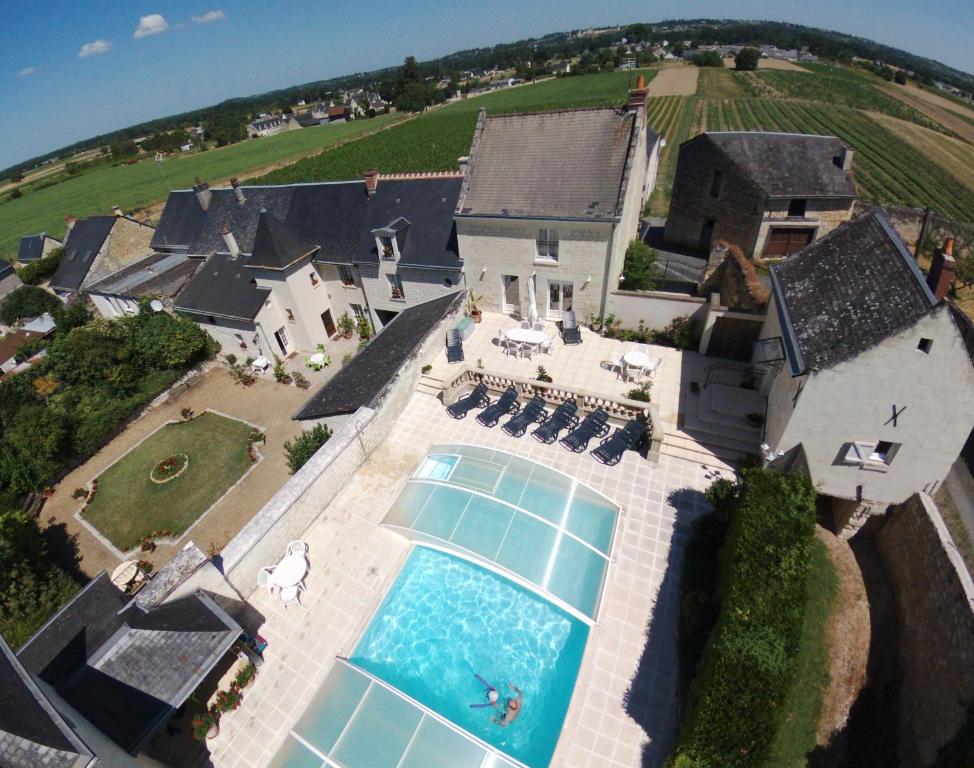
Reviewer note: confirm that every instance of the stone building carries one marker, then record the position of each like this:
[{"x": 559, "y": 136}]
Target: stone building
[
  {"x": 550, "y": 203},
  {"x": 770, "y": 194},
  {"x": 97, "y": 247},
  {"x": 34, "y": 247},
  {"x": 870, "y": 376},
  {"x": 284, "y": 263}
]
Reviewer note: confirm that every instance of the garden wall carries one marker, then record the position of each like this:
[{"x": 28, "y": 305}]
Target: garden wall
[
  {"x": 655, "y": 308},
  {"x": 935, "y": 595},
  {"x": 306, "y": 495}
]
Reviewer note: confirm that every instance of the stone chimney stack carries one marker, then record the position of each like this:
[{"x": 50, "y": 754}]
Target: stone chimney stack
[
  {"x": 942, "y": 270},
  {"x": 463, "y": 163},
  {"x": 371, "y": 181},
  {"x": 231, "y": 242},
  {"x": 845, "y": 159},
  {"x": 235, "y": 183},
  {"x": 638, "y": 95},
  {"x": 202, "y": 190},
  {"x": 69, "y": 221},
  {"x": 117, "y": 211}
]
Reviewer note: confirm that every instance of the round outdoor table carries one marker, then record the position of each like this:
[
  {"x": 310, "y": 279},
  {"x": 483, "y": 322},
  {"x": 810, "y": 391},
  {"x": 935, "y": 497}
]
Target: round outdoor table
[
  {"x": 290, "y": 571},
  {"x": 525, "y": 335},
  {"x": 262, "y": 363},
  {"x": 123, "y": 575},
  {"x": 318, "y": 358},
  {"x": 636, "y": 359}
]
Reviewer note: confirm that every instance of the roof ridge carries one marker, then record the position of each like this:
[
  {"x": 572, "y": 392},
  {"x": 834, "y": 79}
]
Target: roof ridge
[
  {"x": 621, "y": 111},
  {"x": 422, "y": 175}
]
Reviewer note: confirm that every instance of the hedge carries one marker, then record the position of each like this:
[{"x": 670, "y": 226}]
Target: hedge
[
  {"x": 34, "y": 272},
  {"x": 748, "y": 666}
]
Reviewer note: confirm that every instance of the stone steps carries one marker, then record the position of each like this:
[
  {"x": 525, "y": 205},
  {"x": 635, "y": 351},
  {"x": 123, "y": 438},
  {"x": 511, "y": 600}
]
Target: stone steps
[
  {"x": 716, "y": 456},
  {"x": 430, "y": 385}
]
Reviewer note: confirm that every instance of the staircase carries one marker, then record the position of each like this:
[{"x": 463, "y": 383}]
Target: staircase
[{"x": 430, "y": 385}]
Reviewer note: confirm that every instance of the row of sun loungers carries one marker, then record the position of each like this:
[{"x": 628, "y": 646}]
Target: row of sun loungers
[{"x": 565, "y": 417}]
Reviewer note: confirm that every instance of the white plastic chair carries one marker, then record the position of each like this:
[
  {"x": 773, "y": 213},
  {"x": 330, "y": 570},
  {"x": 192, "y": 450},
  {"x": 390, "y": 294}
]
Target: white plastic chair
[
  {"x": 539, "y": 325},
  {"x": 526, "y": 350},
  {"x": 618, "y": 364},
  {"x": 642, "y": 348},
  {"x": 548, "y": 344},
  {"x": 264, "y": 577},
  {"x": 655, "y": 364},
  {"x": 526, "y": 324},
  {"x": 290, "y": 596},
  {"x": 297, "y": 548}
]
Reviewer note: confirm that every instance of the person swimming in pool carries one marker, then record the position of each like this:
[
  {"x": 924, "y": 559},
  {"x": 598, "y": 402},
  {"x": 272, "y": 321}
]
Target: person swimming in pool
[
  {"x": 491, "y": 692},
  {"x": 512, "y": 710}
]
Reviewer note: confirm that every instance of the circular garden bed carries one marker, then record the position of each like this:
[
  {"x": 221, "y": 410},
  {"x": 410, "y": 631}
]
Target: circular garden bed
[{"x": 169, "y": 468}]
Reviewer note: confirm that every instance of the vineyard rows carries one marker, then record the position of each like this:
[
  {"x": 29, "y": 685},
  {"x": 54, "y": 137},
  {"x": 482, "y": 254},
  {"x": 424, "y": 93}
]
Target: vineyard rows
[{"x": 669, "y": 117}]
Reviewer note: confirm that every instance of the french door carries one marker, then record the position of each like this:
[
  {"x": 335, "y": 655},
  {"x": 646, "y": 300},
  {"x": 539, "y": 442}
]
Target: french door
[{"x": 560, "y": 295}]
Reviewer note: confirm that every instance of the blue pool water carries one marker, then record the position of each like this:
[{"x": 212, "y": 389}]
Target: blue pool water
[{"x": 445, "y": 619}]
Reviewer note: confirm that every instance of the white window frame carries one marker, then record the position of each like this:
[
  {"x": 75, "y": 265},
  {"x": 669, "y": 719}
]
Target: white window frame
[
  {"x": 395, "y": 284},
  {"x": 546, "y": 245},
  {"x": 346, "y": 276},
  {"x": 357, "y": 310}
]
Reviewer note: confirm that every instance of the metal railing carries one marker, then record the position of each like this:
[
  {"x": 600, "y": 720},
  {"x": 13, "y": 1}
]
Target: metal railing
[
  {"x": 679, "y": 271},
  {"x": 745, "y": 376}
]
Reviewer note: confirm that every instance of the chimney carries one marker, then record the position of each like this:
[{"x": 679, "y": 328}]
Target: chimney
[
  {"x": 463, "y": 163},
  {"x": 202, "y": 190},
  {"x": 231, "y": 242},
  {"x": 638, "y": 95},
  {"x": 371, "y": 181},
  {"x": 69, "y": 221},
  {"x": 942, "y": 269},
  {"x": 117, "y": 211},
  {"x": 235, "y": 183},
  {"x": 845, "y": 159}
]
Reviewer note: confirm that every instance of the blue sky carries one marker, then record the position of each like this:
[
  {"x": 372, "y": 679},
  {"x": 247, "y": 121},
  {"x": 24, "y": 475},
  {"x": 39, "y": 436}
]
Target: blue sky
[{"x": 70, "y": 70}]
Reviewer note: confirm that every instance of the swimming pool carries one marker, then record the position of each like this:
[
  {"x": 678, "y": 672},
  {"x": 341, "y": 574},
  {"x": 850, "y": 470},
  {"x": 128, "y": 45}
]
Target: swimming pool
[
  {"x": 443, "y": 620},
  {"x": 521, "y": 517}
]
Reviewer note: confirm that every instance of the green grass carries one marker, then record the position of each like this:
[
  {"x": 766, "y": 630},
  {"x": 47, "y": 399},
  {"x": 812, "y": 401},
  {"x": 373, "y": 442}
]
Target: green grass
[
  {"x": 795, "y": 737},
  {"x": 434, "y": 141},
  {"x": 140, "y": 185},
  {"x": 670, "y": 117},
  {"x": 128, "y": 505}
]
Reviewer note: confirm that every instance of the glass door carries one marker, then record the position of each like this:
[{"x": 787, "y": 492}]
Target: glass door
[
  {"x": 560, "y": 296},
  {"x": 510, "y": 294}
]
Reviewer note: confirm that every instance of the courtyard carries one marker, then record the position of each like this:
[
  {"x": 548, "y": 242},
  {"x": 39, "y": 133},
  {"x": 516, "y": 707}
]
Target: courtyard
[{"x": 167, "y": 482}]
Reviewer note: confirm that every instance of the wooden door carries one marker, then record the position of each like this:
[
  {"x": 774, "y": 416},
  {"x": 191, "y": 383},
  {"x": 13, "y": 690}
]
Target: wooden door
[
  {"x": 784, "y": 241},
  {"x": 329, "y": 323}
]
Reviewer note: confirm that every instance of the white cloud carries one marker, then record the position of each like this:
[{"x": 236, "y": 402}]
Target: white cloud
[
  {"x": 152, "y": 24},
  {"x": 93, "y": 49},
  {"x": 27, "y": 72},
  {"x": 209, "y": 16}
]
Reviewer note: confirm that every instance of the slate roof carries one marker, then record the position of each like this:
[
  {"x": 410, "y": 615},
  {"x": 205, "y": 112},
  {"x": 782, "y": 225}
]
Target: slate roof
[
  {"x": 788, "y": 164},
  {"x": 80, "y": 248},
  {"x": 31, "y": 247},
  {"x": 338, "y": 217},
  {"x": 847, "y": 292},
  {"x": 306, "y": 119},
  {"x": 159, "y": 274},
  {"x": 365, "y": 377},
  {"x": 558, "y": 164},
  {"x": 124, "y": 669},
  {"x": 32, "y": 733},
  {"x": 223, "y": 287},
  {"x": 278, "y": 246}
]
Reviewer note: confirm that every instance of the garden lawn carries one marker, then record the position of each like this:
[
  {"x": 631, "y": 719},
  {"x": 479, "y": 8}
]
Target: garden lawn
[{"x": 128, "y": 505}]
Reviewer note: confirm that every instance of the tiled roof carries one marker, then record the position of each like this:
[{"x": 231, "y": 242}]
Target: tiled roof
[
  {"x": 32, "y": 734},
  {"x": 788, "y": 164},
  {"x": 159, "y": 274},
  {"x": 277, "y": 245},
  {"x": 124, "y": 669},
  {"x": 32, "y": 247},
  {"x": 559, "y": 164},
  {"x": 847, "y": 292},
  {"x": 80, "y": 248},
  {"x": 223, "y": 287},
  {"x": 360, "y": 381}
]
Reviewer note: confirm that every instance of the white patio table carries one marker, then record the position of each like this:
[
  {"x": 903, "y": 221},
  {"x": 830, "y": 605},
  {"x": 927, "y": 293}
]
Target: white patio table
[
  {"x": 290, "y": 571},
  {"x": 636, "y": 360},
  {"x": 525, "y": 335},
  {"x": 318, "y": 358}
]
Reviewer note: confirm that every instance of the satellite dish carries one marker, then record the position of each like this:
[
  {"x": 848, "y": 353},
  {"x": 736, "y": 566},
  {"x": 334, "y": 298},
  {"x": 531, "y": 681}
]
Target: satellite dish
[{"x": 156, "y": 305}]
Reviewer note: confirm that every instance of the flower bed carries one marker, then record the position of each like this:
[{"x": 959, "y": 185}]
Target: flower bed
[{"x": 169, "y": 468}]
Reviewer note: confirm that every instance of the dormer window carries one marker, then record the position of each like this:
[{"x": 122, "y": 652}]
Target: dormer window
[
  {"x": 314, "y": 279},
  {"x": 387, "y": 249},
  {"x": 395, "y": 287}
]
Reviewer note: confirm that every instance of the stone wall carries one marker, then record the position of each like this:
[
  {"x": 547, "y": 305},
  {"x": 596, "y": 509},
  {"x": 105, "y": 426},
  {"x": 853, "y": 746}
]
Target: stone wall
[
  {"x": 655, "y": 309},
  {"x": 906, "y": 221},
  {"x": 935, "y": 595}
]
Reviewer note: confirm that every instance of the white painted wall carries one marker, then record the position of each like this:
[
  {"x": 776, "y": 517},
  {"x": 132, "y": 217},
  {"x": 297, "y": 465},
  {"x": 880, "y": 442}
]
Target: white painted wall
[
  {"x": 655, "y": 309},
  {"x": 854, "y": 401}
]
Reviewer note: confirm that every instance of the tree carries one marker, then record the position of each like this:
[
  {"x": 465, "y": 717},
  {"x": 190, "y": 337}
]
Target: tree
[
  {"x": 900, "y": 77},
  {"x": 414, "y": 97},
  {"x": 747, "y": 59},
  {"x": 305, "y": 446},
  {"x": 708, "y": 59},
  {"x": 35, "y": 272},
  {"x": 640, "y": 270},
  {"x": 25, "y": 302}
]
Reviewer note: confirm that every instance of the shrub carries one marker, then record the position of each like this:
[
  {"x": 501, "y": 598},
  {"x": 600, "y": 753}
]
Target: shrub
[
  {"x": 364, "y": 328},
  {"x": 748, "y": 666},
  {"x": 304, "y": 446},
  {"x": 27, "y": 301},
  {"x": 427, "y": 368},
  {"x": 542, "y": 375},
  {"x": 747, "y": 59},
  {"x": 640, "y": 270},
  {"x": 640, "y": 393},
  {"x": 708, "y": 59},
  {"x": 38, "y": 271},
  {"x": 679, "y": 334},
  {"x": 345, "y": 324}
]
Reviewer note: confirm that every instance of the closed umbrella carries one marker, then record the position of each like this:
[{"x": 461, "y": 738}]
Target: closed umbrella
[{"x": 532, "y": 299}]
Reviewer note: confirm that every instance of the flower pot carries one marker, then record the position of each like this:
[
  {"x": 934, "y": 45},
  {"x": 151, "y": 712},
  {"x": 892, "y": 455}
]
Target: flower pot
[
  {"x": 476, "y": 315},
  {"x": 214, "y": 730}
]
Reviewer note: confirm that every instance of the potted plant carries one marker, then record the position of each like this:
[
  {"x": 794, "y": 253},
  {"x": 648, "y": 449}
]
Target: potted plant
[
  {"x": 346, "y": 325},
  {"x": 472, "y": 309},
  {"x": 542, "y": 375},
  {"x": 206, "y": 726}
]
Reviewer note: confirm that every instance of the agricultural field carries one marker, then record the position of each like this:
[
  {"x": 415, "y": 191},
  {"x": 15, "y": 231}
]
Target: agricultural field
[
  {"x": 670, "y": 117},
  {"x": 140, "y": 185},
  {"x": 716, "y": 82},
  {"x": 434, "y": 140}
]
